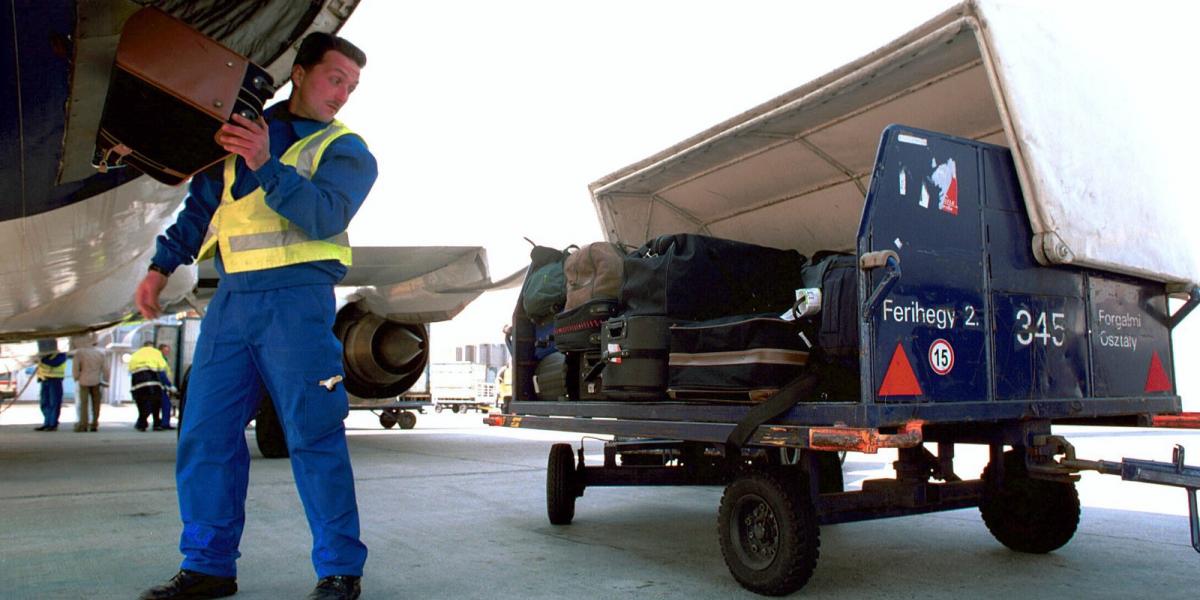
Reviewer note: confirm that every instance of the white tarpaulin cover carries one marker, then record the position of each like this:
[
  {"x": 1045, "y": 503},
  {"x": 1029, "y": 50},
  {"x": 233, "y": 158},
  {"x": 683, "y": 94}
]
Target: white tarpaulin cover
[{"x": 1089, "y": 96}]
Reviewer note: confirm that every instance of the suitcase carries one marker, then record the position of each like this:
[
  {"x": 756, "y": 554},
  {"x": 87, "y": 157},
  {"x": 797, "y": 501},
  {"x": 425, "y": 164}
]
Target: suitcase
[
  {"x": 170, "y": 91},
  {"x": 591, "y": 376},
  {"x": 543, "y": 341},
  {"x": 745, "y": 358},
  {"x": 697, "y": 278},
  {"x": 579, "y": 329},
  {"x": 593, "y": 272},
  {"x": 634, "y": 350},
  {"x": 837, "y": 276},
  {"x": 550, "y": 378}
]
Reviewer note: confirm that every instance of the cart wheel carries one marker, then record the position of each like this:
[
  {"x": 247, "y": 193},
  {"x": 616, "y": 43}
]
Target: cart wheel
[
  {"x": 437, "y": 408},
  {"x": 1026, "y": 514},
  {"x": 387, "y": 418},
  {"x": 562, "y": 485},
  {"x": 456, "y": 408},
  {"x": 768, "y": 532},
  {"x": 407, "y": 420}
]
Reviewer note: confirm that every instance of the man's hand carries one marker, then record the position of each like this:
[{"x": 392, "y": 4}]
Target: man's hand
[
  {"x": 146, "y": 295},
  {"x": 247, "y": 139}
]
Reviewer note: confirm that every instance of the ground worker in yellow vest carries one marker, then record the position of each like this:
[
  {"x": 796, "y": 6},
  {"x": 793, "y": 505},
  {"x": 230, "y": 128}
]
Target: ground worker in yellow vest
[
  {"x": 51, "y": 369},
  {"x": 275, "y": 214},
  {"x": 147, "y": 369}
]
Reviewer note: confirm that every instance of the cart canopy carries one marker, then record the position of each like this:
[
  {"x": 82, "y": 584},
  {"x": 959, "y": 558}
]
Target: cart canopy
[{"x": 1083, "y": 94}]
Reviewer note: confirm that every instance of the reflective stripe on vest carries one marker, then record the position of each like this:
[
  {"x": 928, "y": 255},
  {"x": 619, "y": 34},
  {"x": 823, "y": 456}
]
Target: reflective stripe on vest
[{"x": 252, "y": 236}]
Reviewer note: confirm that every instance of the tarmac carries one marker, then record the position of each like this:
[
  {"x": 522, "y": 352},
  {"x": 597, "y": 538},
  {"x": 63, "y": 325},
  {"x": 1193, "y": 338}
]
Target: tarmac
[{"x": 456, "y": 509}]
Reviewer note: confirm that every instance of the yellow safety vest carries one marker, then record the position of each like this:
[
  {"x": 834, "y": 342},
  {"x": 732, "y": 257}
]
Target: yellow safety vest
[
  {"x": 147, "y": 358},
  {"x": 252, "y": 236},
  {"x": 45, "y": 371}
]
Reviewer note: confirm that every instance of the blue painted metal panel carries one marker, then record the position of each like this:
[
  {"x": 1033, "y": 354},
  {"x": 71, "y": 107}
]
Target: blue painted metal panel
[
  {"x": 1040, "y": 347},
  {"x": 37, "y": 56},
  {"x": 925, "y": 205},
  {"x": 10, "y": 149},
  {"x": 1128, "y": 330}
]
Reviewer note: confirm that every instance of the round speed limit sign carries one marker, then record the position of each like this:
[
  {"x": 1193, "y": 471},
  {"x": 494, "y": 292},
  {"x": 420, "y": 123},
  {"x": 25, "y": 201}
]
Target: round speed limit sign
[{"x": 941, "y": 356}]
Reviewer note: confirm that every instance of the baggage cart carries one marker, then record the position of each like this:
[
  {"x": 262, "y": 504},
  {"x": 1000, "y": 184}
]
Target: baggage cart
[{"x": 989, "y": 309}]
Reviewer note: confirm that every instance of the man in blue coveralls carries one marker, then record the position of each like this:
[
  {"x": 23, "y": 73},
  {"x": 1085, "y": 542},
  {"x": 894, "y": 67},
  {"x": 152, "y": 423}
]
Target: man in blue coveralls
[
  {"x": 277, "y": 212},
  {"x": 51, "y": 369}
]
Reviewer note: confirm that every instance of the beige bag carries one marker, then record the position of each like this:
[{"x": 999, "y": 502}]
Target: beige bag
[{"x": 593, "y": 272}]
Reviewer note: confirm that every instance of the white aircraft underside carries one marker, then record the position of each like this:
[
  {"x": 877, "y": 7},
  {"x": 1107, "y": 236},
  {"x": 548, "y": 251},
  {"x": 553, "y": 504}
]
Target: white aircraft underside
[{"x": 76, "y": 242}]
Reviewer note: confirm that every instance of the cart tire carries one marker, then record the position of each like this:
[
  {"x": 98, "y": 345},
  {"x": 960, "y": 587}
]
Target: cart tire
[
  {"x": 437, "y": 408},
  {"x": 407, "y": 420},
  {"x": 562, "y": 485},
  {"x": 1028, "y": 515},
  {"x": 387, "y": 419},
  {"x": 456, "y": 408},
  {"x": 768, "y": 532},
  {"x": 268, "y": 430}
]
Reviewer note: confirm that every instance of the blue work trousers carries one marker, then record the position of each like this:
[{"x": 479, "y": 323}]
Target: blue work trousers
[
  {"x": 50, "y": 399},
  {"x": 280, "y": 342}
]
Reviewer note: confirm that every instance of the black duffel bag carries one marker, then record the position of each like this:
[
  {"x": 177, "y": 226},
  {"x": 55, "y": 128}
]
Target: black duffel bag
[{"x": 696, "y": 277}]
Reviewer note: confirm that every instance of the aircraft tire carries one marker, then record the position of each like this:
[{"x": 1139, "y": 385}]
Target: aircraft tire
[
  {"x": 407, "y": 420},
  {"x": 268, "y": 431}
]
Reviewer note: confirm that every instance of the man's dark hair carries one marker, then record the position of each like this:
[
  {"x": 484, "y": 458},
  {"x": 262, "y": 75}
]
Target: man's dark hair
[{"x": 317, "y": 43}]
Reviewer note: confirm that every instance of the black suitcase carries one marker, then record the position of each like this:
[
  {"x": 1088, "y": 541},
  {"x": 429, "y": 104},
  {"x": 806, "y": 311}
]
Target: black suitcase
[
  {"x": 590, "y": 387},
  {"x": 550, "y": 378},
  {"x": 170, "y": 91},
  {"x": 634, "y": 350},
  {"x": 837, "y": 276},
  {"x": 836, "y": 361},
  {"x": 579, "y": 329},
  {"x": 745, "y": 358},
  {"x": 697, "y": 278}
]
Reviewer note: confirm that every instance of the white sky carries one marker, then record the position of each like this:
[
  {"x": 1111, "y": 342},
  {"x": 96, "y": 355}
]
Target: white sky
[{"x": 489, "y": 119}]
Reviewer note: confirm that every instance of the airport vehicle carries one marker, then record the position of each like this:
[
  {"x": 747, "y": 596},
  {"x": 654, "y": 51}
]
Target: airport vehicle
[
  {"x": 461, "y": 387},
  {"x": 992, "y": 302},
  {"x": 78, "y": 240}
]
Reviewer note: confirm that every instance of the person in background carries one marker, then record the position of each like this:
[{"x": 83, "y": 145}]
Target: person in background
[
  {"x": 50, "y": 372},
  {"x": 146, "y": 370},
  {"x": 87, "y": 367},
  {"x": 168, "y": 387}
]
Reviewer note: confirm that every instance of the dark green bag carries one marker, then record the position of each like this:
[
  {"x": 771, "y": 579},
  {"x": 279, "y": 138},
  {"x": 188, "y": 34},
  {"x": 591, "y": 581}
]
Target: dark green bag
[{"x": 545, "y": 290}]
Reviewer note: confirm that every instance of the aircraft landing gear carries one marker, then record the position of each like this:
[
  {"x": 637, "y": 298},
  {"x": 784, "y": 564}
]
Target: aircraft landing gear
[{"x": 390, "y": 417}]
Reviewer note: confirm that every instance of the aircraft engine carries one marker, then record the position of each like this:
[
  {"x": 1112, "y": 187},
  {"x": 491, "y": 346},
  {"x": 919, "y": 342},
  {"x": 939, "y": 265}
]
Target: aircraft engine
[{"x": 382, "y": 358}]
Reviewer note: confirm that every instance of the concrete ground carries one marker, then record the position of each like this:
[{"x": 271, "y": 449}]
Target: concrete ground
[{"x": 454, "y": 509}]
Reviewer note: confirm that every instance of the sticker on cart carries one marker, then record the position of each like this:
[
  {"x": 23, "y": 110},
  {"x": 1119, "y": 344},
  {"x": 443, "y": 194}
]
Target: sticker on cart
[
  {"x": 941, "y": 356},
  {"x": 945, "y": 177}
]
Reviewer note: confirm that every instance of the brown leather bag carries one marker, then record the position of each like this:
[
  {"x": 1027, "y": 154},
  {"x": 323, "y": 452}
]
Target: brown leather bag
[
  {"x": 593, "y": 272},
  {"x": 171, "y": 90}
]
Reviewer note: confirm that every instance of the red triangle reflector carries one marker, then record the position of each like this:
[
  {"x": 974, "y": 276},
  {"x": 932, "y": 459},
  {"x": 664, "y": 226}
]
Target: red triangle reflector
[
  {"x": 1156, "y": 379},
  {"x": 900, "y": 379}
]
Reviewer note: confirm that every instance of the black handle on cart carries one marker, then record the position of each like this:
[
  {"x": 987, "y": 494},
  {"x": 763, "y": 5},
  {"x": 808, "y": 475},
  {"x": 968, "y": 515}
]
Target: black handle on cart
[
  {"x": 891, "y": 265},
  {"x": 1192, "y": 301}
]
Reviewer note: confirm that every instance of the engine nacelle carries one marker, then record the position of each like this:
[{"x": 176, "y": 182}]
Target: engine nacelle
[{"x": 382, "y": 358}]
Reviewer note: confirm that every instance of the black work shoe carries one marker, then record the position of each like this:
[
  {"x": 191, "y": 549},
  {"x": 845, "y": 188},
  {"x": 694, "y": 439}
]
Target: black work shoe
[
  {"x": 337, "y": 587},
  {"x": 189, "y": 585}
]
